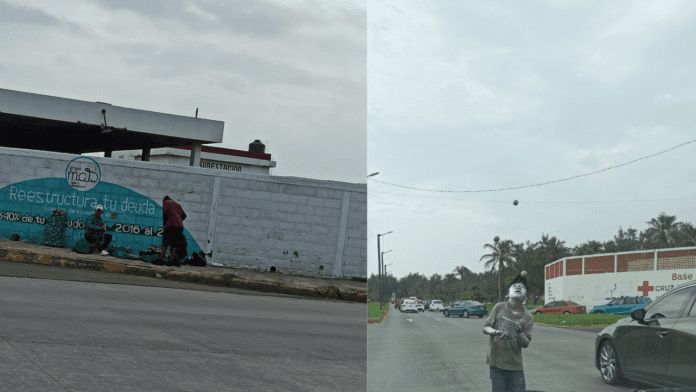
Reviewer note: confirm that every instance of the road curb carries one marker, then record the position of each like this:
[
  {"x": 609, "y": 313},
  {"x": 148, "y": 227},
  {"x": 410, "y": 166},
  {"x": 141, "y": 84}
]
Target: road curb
[
  {"x": 381, "y": 319},
  {"x": 24, "y": 252}
]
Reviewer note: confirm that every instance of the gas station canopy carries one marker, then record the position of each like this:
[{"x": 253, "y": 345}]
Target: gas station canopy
[{"x": 42, "y": 122}]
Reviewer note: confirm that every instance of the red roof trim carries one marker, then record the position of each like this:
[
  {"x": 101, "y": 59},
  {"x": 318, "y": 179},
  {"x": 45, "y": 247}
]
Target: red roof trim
[{"x": 228, "y": 151}]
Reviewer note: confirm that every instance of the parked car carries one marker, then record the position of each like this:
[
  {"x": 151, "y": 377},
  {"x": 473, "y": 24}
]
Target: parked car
[
  {"x": 409, "y": 306},
  {"x": 466, "y": 309},
  {"x": 399, "y": 302},
  {"x": 420, "y": 306},
  {"x": 558, "y": 307},
  {"x": 436, "y": 305},
  {"x": 623, "y": 305},
  {"x": 656, "y": 345}
]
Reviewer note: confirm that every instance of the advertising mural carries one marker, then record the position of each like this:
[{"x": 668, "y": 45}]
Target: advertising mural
[{"x": 134, "y": 220}]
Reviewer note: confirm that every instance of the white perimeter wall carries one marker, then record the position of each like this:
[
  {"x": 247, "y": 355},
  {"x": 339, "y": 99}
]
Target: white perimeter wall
[
  {"x": 591, "y": 290},
  {"x": 298, "y": 225}
]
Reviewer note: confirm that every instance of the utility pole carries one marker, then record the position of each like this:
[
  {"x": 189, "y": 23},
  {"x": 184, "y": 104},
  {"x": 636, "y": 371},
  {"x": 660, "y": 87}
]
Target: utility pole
[
  {"x": 384, "y": 273},
  {"x": 379, "y": 268}
]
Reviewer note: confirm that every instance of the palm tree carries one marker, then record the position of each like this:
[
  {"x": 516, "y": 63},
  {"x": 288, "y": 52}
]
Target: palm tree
[
  {"x": 663, "y": 230},
  {"x": 499, "y": 258},
  {"x": 687, "y": 234},
  {"x": 552, "y": 248},
  {"x": 591, "y": 247}
]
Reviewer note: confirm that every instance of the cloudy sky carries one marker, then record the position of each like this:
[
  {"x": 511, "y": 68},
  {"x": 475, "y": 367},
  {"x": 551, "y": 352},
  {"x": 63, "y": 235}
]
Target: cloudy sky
[
  {"x": 289, "y": 73},
  {"x": 467, "y": 96}
]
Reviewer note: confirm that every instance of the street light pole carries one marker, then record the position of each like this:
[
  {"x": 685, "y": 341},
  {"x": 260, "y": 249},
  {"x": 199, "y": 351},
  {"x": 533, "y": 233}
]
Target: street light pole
[
  {"x": 379, "y": 267},
  {"x": 384, "y": 281},
  {"x": 385, "y": 274}
]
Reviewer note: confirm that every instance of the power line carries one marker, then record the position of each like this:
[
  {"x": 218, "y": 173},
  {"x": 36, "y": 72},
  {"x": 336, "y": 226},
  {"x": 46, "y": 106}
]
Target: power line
[
  {"x": 540, "y": 184},
  {"x": 506, "y": 201}
]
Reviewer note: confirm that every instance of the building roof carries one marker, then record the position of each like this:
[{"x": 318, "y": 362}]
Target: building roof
[
  {"x": 42, "y": 122},
  {"x": 230, "y": 152}
]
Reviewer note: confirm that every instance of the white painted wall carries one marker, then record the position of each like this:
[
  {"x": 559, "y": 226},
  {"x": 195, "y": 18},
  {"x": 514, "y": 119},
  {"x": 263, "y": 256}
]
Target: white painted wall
[
  {"x": 298, "y": 225},
  {"x": 591, "y": 290}
]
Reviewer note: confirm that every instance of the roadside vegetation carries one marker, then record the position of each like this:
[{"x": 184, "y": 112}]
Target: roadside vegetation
[
  {"x": 504, "y": 259},
  {"x": 373, "y": 310}
]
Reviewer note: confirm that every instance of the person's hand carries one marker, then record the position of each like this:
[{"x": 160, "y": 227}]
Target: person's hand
[
  {"x": 501, "y": 334},
  {"x": 519, "y": 327}
]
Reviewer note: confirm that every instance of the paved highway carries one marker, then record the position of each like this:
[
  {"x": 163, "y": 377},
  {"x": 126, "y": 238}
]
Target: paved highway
[
  {"x": 428, "y": 352},
  {"x": 59, "y": 335}
]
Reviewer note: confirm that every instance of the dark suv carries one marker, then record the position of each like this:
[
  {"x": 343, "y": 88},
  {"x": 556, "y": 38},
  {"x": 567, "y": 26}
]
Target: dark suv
[{"x": 655, "y": 345}]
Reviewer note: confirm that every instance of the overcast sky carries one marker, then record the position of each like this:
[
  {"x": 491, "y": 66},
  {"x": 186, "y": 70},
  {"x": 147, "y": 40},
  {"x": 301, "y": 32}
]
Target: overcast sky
[
  {"x": 289, "y": 73},
  {"x": 487, "y": 95}
]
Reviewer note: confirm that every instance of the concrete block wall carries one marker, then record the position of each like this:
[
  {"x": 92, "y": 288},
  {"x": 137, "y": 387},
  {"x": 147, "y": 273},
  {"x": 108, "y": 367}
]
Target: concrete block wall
[
  {"x": 664, "y": 259},
  {"x": 599, "y": 264},
  {"x": 641, "y": 261},
  {"x": 294, "y": 225},
  {"x": 297, "y": 225},
  {"x": 641, "y": 265},
  {"x": 676, "y": 259}
]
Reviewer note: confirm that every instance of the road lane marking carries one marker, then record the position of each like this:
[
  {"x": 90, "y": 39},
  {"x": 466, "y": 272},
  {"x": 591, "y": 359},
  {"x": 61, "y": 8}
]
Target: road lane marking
[{"x": 409, "y": 320}]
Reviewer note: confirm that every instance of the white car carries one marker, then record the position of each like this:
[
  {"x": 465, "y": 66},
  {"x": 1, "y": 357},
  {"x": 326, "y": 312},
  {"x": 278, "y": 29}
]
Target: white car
[
  {"x": 420, "y": 306},
  {"x": 409, "y": 306},
  {"x": 436, "y": 305}
]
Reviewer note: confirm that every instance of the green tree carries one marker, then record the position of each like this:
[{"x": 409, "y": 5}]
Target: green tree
[
  {"x": 552, "y": 249},
  {"x": 663, "y": 231},
  {"x": 528, "y": 257},
  {"x": 451, "y": 286},
  {"x": 687, "y": 234},
  {"x": 499, "y": 258},
  {"x": 591, "y": 247},
  {"x": 627, "y": 240}
]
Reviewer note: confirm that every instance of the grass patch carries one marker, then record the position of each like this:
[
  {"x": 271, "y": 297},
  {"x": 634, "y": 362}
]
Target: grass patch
[
  {"x": 578, "y": 319},
  {"x": 529, "y": 307},
  {"x": 373, "y": 310}
]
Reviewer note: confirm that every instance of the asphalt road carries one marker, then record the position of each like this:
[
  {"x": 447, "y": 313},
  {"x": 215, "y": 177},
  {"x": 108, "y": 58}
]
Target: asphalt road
[
  {"x": 63, "y": 335},
  {"x": 428, "y": 352}
]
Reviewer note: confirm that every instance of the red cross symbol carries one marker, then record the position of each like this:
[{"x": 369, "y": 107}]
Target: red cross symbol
[{"x": 645, "y": 288}]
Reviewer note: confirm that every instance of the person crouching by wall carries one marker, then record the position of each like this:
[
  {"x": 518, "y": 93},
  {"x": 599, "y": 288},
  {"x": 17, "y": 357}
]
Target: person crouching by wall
[
  {"x": 173, "y": 217},
  {"x": 95, "y": 232}
]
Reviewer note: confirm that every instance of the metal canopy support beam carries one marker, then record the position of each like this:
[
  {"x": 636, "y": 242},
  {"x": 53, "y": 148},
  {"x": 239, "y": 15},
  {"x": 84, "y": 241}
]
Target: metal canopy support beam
[
  {"x": 195, "y": 154},
  {"x": 145, "y": 155}
]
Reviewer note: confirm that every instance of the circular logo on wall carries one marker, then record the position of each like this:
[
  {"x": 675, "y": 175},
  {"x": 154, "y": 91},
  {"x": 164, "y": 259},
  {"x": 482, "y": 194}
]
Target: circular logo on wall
[{"x": 83, "y": 173}]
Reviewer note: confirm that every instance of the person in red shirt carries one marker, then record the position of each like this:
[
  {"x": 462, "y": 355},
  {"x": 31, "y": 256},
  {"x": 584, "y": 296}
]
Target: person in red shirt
[{"x": 173, "y": 217}]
